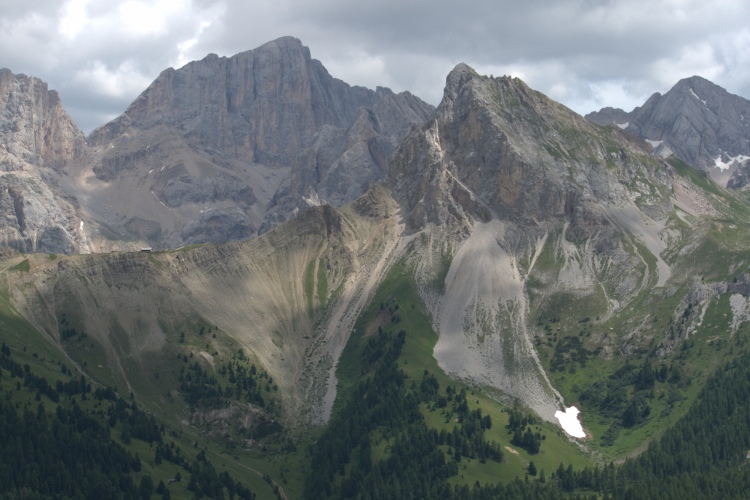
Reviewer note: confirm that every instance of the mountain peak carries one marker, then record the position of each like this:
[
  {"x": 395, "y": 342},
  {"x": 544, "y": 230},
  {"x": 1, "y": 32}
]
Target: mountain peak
[
  {"x": 498, "y": 149},
  {"x": 697, "y": 120},
  {"x": 456, "y": 79},
  {"x": 284, "y": 40},
  {"x": 695, "y": 80},
  {"x": 699, "y": 88},
  {"x": 288, "y": 43},
  {"x": 271, "y": 109},
  {"x": 462, "y": 68}
]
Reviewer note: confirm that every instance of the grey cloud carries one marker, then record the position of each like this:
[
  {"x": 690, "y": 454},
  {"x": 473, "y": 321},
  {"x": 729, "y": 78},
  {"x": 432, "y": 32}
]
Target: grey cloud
[{"x": 582, "y": 52}]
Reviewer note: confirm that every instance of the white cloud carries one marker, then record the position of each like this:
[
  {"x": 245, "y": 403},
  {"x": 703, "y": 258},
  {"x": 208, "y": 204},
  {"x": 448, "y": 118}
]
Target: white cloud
[
  {"x": 358, "y": 66},
  {"x": 123, "y": 80},
  {"x": 73, "y": 19},
  {"x": 131, "y": 19},
  {"x": 695, "y": 59},
  {"x": 184, "y": 47}
]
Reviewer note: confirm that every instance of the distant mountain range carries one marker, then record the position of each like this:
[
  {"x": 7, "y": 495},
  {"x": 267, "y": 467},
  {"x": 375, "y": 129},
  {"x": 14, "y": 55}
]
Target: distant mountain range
[
  {"x": 227, "y": 148},
  {"x": 700, "y": 122}
]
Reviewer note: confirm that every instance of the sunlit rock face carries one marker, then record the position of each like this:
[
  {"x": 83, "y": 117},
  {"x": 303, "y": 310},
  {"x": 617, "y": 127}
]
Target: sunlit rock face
[{"x": 37, "y": 140}]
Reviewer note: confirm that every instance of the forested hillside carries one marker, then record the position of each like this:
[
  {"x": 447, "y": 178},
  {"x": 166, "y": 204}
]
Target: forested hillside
[
  {"x": 379, "y": 444},
  {"x": 69, "y": 441}
]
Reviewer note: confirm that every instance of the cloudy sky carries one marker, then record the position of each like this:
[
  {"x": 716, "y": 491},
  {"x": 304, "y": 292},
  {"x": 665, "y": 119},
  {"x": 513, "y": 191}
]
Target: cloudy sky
[{"x": 99, "y": 55}]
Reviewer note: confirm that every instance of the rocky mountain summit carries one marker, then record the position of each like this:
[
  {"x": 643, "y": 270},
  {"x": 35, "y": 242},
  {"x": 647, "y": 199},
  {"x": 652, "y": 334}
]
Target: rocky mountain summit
[
  {"x": 512, "y": 189},
  {"x": 225, "y": 147},
  {"x": 498, "y": 149},
  {"x": 38, "y": 140},
  {"x": 700, "y": 122}
]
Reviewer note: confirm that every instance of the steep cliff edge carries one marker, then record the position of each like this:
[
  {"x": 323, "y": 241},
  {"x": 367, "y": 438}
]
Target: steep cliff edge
[
  {"x": 38, "y": 140},
  {"x": 225, "y": 147}
]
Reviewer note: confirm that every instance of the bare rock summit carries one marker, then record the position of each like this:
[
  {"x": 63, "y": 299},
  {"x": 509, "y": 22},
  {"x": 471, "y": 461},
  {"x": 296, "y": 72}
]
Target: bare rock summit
[
  {"x": 496, "y": 149},
  {"x": 227, "y": 147},
  {"x": 698, "y": 121}
]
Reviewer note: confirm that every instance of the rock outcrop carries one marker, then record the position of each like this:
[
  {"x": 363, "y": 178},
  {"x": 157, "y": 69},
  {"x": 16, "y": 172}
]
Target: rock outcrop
[
  {"x": 37, "y": 141},
  {"x": 341, "y": 163},
  {"x": 253, "y": 139},
  {"x": 703, "y": 124},
  {"x": 497, "y": 149}
]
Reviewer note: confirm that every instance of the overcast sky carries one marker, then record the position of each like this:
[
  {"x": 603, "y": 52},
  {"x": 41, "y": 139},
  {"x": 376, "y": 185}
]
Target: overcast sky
[{"x": 99, "y": 55}]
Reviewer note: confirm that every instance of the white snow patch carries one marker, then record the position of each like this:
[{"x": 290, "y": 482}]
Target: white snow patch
[
  {"x": 313, "y": 200},
  {"x": 623, "y": 125},
  {"x": 654, "y": 144},
  {"x": 721, "y": 164},
  {"x": 150, "y": 170},
  {"x": 696, "y": 96},
  {"x": 569, "y": 422}
]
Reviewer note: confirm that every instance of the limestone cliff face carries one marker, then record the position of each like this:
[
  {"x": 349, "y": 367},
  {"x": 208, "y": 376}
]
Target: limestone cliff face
[
  {"x": 497, "y": 149},
  {"x": 38, "y": 139},
  {"x": 34, "y": 127},
  {"x": 703, "y": 124},
  {"x": 262, "y": 105},
  {"x": 341, "y": 162},
  {"x": 270, "y": 122}
]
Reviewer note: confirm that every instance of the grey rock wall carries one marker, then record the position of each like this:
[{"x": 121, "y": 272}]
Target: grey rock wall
[
  {"x": 37, "y": 140},
  {"x": 697, "y": 120},
  {"x": 261, "y": 135}
]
